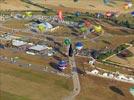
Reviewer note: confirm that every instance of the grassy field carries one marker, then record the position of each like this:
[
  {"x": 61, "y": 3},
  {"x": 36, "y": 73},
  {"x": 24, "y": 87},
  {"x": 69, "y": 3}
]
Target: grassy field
[
  {"x": 21, "y": 84},
  {"x": 16, "y": 24},
  {"x": 16, "y": 5},
  {"x": 84, "y": 5},
  {"x": 94, "y": 88},
  {"x": 66, "y": 5}
]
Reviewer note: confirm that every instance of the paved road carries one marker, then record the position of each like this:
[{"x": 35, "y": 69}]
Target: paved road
[{"x": 75, "y": 78}]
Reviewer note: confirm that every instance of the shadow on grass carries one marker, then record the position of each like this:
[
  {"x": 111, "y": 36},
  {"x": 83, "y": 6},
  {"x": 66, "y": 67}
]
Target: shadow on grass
[
  {"x": 74, "y": 34},
  {"x": 59, "y": 51},
  {"x": 49, "y": 39},
  {"x": 57, "y": 58},
  {"x": 55, "y": 66},
  {"x": 117, "y": 90},
  {"x": 76, "y": 69}
]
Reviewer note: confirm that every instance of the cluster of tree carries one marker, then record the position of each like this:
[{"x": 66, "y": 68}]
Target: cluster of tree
[
  {"x": 103, "y": 55},
  {"x": 125, "y": 53}
]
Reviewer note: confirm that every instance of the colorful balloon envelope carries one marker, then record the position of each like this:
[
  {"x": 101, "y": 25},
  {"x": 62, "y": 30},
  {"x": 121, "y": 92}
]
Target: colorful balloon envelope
[
  {"x": 79, "y": 45},
  {"x": 28, "y": 14},
  {"x": 126, "y": 6},
  {"x": 98, "y": 29},
  {"x": 108, "y": 14},
  {"x": 67, "y": 42},
  {"x": 132, "y": 13},
  {"x": 87, "y": 23},
  {"x": 41, "y": 27},
  {"x": 77, "y": 14},
  {"x": 131, "y": 90},
  {"x": 106, "y": 1},
  {"x": 60, "y": 15},
  {"x": 62, "y": 64},
  {"x": 130, "y": 4},
  {"x": 83, "y": 29}
]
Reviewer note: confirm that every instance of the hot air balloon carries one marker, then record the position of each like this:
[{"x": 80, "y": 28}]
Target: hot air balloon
[
  {"x": 106, "y": 1},
  {"x": 81, "y": 23},
  {"x": 108, "y": 14},
  {"x": 126, "y": 7},
  {"x": 98, "y": 15},
  {"x": 62, "y": 64},
  {"x": 60, "y": 14},
  {"x": 130, "y": 4},
  {"x": 79, "y": 45},
  {"x": 28, "y": 14},
  {"x": 131, "y": 90},
  {"x": 132, "y": 13},
  {"x": 41, "y": 27},
  {"x": 83, "y": 29},
  {"x": 98, "y": 29},
  {"x": 87, "y": 23},
  {"x": 67, "y": 43},
  {"x": 77, "y": 14}
]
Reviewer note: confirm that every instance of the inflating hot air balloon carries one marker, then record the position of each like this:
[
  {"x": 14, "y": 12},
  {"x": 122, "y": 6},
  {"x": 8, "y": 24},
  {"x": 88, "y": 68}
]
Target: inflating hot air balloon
[
  {"x": 108, "y": 14},
  {"x": 132, "y": 13},
  {"x": 87, "y": 23},
  {"x": 130, "y": 4},
  {"x": 83, "y": 29},
  {"x": 98, "y": 15},
  {"x": 41, "y": 27},
  {"x": 98, "y": 29},
  {"x": 28, "y": 14},
  {"x": 67, "y": 41},
  {"x": 77, "y": 14},
  {"x": 62, "y": 64},
  {"x": 60, "y": 14},
  {"x": 131, "y": 90},
  {"x": 106, "y": 1},
  {"x": 126, "y": 7},
  {"x": 79, "y": 45}
]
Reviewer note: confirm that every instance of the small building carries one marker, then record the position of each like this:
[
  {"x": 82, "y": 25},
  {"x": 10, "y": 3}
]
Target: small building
[
  {"x": 122, "y": 77},
  {"x": 18, "y": 43},
  {"x": 41, "y": 49},
  {"x": 105, "y": 74},
  {"x": 95, "y": 71}
]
